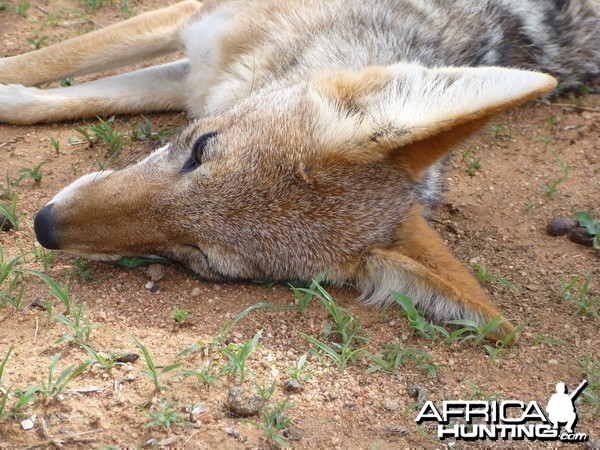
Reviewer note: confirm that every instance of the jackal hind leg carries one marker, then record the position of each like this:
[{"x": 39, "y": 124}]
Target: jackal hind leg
[
  {"x": 157, "y": 88},
  {"x": 138, "y": 39},
  {"x": 420, "y": 266}
]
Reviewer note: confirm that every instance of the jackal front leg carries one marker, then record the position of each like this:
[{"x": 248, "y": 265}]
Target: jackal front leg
[
  {"x": 420, "y": 266},
  {"x": 140, "y": 38}
]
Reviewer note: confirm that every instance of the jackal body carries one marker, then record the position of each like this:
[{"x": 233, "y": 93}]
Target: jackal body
[{"x": 319, "y": 127}]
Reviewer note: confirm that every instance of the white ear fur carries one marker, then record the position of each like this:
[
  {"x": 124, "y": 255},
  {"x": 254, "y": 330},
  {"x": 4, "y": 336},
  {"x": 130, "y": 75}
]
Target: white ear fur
[{"x": 404, "y": 103}]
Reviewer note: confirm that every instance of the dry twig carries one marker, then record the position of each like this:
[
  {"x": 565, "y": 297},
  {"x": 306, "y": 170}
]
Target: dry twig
[{"x": 61, "y": 441}]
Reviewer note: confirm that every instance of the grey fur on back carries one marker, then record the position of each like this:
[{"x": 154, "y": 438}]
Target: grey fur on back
[{"x": 559, "y": 37}]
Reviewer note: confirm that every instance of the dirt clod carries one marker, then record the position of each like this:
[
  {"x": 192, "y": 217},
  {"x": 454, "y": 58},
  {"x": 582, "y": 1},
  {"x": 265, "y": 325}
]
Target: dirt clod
[
  {"x": 242, "y": 405},
  {"x": 292, "y": 433},
  {"x": 5, "y": 224},
  {"x": 398, "y": 430},
  {"x": 155, "y": 272},
  {"x": 128, "y": 358},
  {"x": 38, "y": 302},
  {"x": 233, "y": 433},
  {"x": 560, "y": 226},
  {"x": 391, "y": 404},
  {"x": 580, "y": 236}
]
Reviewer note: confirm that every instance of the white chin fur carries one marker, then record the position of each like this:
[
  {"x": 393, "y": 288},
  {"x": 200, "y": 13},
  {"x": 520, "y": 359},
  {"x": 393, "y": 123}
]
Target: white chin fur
[
  {"x": 106, "y": 256},
  {"x": 93, "y": 256}
]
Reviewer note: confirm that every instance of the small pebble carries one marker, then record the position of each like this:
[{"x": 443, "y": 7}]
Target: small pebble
[
  {"x": 560, "y": 226},
  {"x": 232, "y": 433},
  {"x": 291, "y": 384},
  {"x": 195, "y": 292},
  {"x": 28, "y": 423},
  {"x": 168, "y": 441},
  {"x": 199, "y": 409},
  {"x": 417, "y": 392},
  {"x": 149, "y": 285}
]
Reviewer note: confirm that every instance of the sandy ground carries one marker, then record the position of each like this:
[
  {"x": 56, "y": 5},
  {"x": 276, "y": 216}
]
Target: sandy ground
[{"x": 495, "y": 217}]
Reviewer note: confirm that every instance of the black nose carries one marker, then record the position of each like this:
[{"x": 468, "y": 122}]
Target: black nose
[{"x": 45, "y": 230}]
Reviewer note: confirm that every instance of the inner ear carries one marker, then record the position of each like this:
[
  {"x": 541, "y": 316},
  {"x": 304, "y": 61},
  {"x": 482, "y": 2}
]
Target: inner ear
[
  {"x": 412, "y": 115},
  {"x": 415, "y": 158}
]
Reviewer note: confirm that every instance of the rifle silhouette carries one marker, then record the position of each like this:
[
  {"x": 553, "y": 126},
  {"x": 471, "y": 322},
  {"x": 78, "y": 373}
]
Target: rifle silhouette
[{"x": 577, "y": 391}]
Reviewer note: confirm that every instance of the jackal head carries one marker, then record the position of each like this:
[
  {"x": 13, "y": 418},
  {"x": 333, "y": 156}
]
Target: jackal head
[{"x": 325, "y": 174}]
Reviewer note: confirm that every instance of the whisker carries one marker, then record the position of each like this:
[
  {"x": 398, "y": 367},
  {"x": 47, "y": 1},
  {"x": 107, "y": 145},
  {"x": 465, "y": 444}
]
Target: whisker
[
  {"x": 263, "y": 83},
  {"x": 253, "y": 60}
]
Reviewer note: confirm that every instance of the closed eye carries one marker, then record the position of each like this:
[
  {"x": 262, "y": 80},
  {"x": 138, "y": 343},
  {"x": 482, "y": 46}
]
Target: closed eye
[{"x": 197, "y": 154}]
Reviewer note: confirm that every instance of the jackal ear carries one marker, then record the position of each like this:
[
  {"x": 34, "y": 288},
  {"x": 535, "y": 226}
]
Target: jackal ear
[{"x": 415, "y": 114}]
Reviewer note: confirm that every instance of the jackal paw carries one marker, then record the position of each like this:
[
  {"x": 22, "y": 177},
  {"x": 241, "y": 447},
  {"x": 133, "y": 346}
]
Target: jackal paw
[{"x": 20, "y": 104}]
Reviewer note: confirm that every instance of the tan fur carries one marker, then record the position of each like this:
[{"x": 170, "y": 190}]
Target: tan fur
[
  {"x": 420, "y": 252},
  {"x": 303, "y": 167},
  {"x": 138, "y": 39}
]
